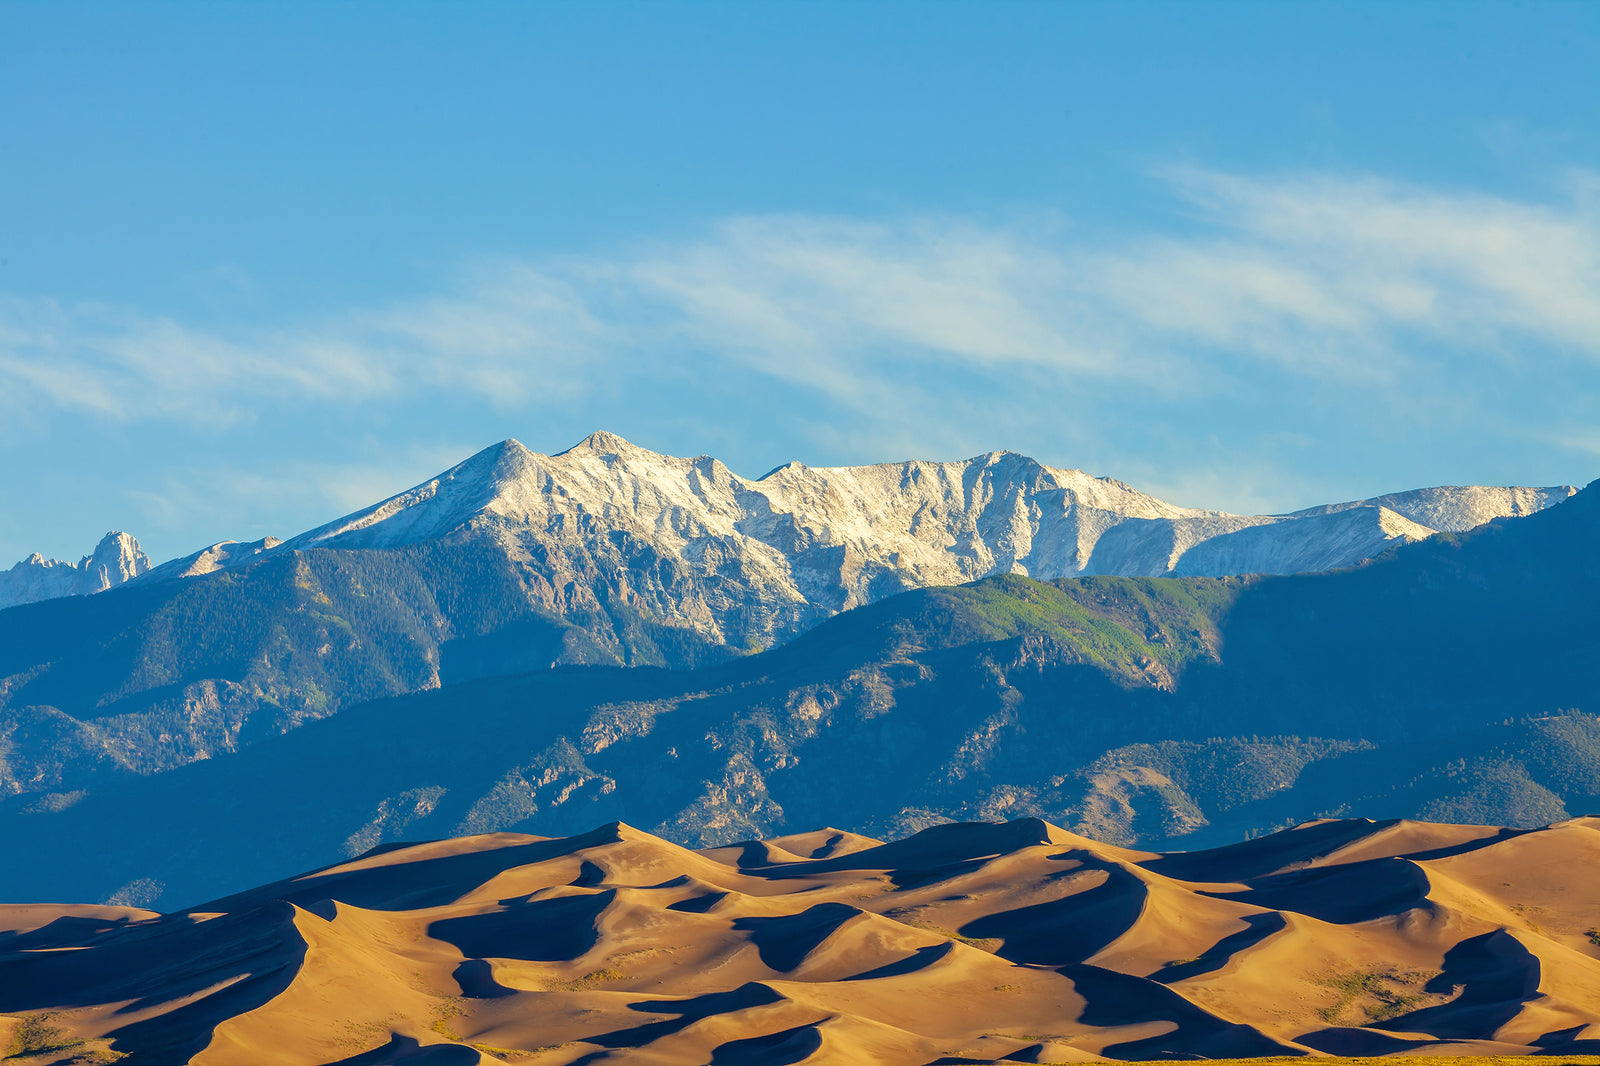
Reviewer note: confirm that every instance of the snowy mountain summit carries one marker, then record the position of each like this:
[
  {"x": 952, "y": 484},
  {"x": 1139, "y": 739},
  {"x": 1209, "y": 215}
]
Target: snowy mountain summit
[
  {"x": 115, "y": 560},
  {"x": 613, "y": 529},
  {"x": 607, "y": 525}
]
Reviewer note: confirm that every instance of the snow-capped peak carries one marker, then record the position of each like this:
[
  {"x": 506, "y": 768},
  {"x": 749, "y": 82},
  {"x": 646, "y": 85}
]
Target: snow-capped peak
[
  {"x": 115, "y": 560},
  {"x": 688, "y": 541}
]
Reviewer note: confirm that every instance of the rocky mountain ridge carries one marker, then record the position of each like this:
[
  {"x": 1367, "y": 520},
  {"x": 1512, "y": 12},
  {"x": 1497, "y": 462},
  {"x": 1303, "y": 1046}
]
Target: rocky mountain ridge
[
  {"x": 607, "y": 526},
  {"x": 752, "y": 562},
  {"x": 115, "y": 560}
]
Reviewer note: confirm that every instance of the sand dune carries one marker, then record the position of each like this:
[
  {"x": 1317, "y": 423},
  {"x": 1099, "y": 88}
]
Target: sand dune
[{"x": 977, "y": 943}]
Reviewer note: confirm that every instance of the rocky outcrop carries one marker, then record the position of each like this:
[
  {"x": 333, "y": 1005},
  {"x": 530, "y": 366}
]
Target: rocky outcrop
[{"x": 115, "y": 560}]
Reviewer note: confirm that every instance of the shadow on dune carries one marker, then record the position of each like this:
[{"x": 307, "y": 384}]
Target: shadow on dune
[
  {"x": 1114, "y": 999},
  {"x": 158, "y": 962},
  {"x": 69, "y": 930},
  {"x": 589, "y": 876},
  {"x": 908, "y": 877},
  {"x": 1465, "y": 846},
  {"x": 1343, "y": 894},
  {"x": 1257, "y": 928},
  {"x": 1354, "y": 1043},
  {"x": 1496, "y": 975},
  {"x": 1493, "y": 975},
  {"x": 1257, "y": 858},
  {"x": 784, "y": 942},
  {"x": 755, "y": 855},
  {"x": 776, "y": 1049},
  {"x": 920, "y": 959},
  {"x": 475, "y": 978},
  {"x": 414, "y": 885},
  {"x": 936, "y": 852},
  {"x": 698, "y": 904},
  {"x": 689, "y": 1011},
  {"x": 1565, "y": 1042},
  {"x": 406, "y": 1051},
  {"x": 541, "y": 930},
  {"x": 828, "y": 847},
  {"x": 1069, "y": 929}
]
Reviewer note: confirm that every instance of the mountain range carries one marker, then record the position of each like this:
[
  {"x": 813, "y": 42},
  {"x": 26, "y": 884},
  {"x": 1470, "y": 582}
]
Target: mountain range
[
  {"x": 1445, "y": 679},
  {"x": 750, "y": 563},
  {"x": 605, "y": 554},
  {"x": 741, "y": 562}
]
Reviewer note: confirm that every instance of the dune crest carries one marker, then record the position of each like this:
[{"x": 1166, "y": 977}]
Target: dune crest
[{"x": 976, "y": 943}]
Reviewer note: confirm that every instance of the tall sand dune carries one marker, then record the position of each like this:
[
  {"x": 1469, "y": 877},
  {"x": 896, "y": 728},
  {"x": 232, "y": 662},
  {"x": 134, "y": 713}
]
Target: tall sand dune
[{"x": 971, "y": 943}]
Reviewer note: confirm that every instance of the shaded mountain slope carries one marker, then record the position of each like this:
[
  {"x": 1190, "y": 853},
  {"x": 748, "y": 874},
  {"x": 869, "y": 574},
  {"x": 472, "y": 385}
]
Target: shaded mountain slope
[
  {"x": 896, "y": 684},
  {"x": 970, "y": 943},
  {"x": 156, "y": 675}
]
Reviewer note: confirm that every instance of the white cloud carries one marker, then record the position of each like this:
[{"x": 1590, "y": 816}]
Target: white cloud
[
  {"x": 823, "y": 287},
  {"x": 1356, "y": 281},
  {"x": 125, "y": 365},
  {"x": 1366, "y": 257}
]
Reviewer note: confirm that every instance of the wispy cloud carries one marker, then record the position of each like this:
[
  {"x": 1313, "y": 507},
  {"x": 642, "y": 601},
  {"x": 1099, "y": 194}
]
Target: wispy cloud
[
  {"x": 1353, "y": 280},
  {"x": 126, "y": 365},
  {"x": 1319, "y": 258}
]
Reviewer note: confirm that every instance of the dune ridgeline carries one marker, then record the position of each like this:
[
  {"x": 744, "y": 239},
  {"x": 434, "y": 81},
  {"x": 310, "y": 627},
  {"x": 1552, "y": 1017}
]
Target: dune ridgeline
[{"x": 965, "y": 943}]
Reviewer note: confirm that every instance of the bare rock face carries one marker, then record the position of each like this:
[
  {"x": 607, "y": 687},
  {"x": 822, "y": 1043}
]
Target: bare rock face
[
  {"x": 115, "y": 560},
  {"x": 609, "y": 525}
]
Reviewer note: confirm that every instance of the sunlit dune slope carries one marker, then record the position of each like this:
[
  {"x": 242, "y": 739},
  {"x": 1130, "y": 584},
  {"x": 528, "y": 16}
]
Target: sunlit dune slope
[{"x": 975, "y": 943}]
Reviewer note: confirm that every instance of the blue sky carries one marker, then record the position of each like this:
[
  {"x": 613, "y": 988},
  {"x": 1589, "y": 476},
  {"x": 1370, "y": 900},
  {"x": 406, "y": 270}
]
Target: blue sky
[{"x": 262, "y": 264}]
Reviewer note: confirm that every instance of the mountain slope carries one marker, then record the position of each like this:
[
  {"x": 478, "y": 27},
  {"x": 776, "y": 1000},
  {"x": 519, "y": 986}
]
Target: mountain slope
[
  {"x": 159, "y": 674},
  {"x": 1132, "y": 710},
  {"x": 986, "y": 943}
]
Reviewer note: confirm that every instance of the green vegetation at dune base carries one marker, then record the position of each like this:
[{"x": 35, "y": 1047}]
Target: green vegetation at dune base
[
  {"x": 592, "y": 979},
  {"x": 34, "y": 1035},
  {"x": 1383, "y": 994}
]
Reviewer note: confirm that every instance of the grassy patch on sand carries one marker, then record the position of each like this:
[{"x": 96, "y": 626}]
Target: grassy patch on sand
[
  {"x": 448, "y": 1009},
  {"x": 34, "y": 1035},
  {"x": 593, "y": 979},
  {"x": 990, "y": 944},
  {"x": 1382, "y": 994}
]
